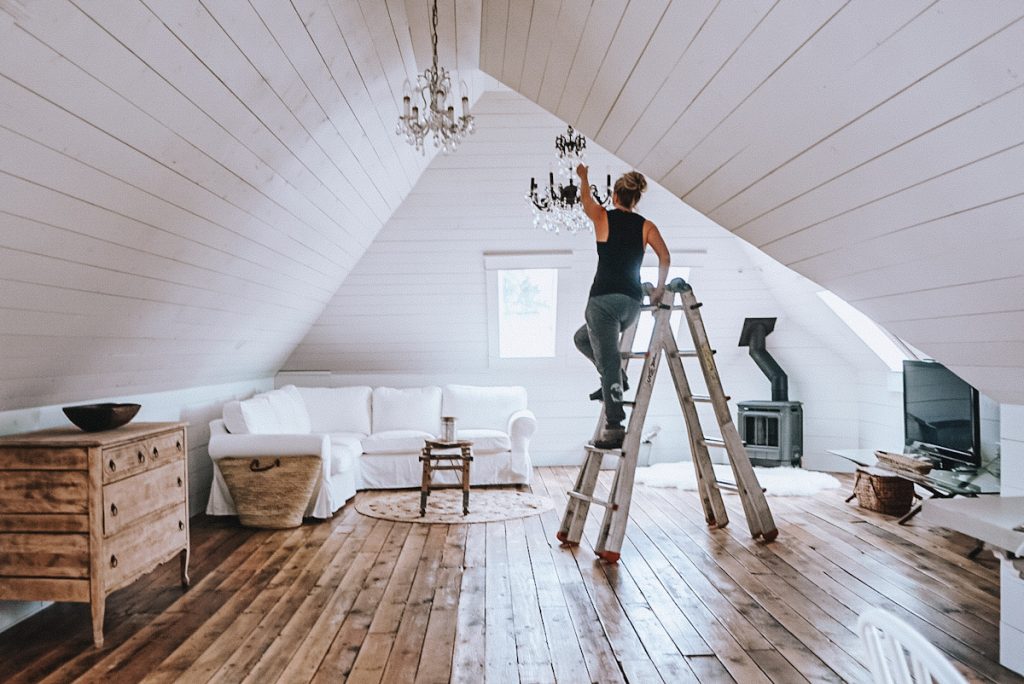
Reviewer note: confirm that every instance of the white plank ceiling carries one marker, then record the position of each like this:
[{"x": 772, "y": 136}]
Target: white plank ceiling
[
  {"x": 184, "y": 184},
  {"x": 875, "y": 147}
]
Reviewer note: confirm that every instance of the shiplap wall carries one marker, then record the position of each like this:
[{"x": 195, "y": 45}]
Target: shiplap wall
[
  {"x": 415, "y": 309},
  {"x": 183, "y": 186},
  {"x": 874, "y": 147},
  {"x": 196, "y": 406}
]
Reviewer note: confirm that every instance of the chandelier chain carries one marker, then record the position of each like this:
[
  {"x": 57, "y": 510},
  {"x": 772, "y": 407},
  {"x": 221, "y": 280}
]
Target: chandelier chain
[{"x": 437, "y": 118}]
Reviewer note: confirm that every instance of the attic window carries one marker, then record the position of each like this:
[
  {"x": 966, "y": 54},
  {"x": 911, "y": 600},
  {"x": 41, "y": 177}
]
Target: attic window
[
  {"x": 527, "y": 307},
  {"x": 886, "y": 347}
]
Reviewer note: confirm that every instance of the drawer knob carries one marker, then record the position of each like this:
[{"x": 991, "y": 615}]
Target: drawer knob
[
  {"x": 181, "y": 525},
  {"x": 179, "y": 482},
  {"x": 177, "y": 445},
  {"x": 113, "y": 509},
  {"x": 156, "y": 452},
  {"x": 112, "y": 465},
  {"x": 113, "y": 561},
  {"x": 142, "y": 457}
]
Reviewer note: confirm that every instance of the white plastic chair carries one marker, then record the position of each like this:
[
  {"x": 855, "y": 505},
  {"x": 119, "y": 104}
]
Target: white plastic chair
[{"x": 898, "y": 654}]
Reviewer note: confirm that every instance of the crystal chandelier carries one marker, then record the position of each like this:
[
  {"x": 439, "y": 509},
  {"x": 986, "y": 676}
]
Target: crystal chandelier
[
  {"x": 434, "y": 86},
  {"x": 560, "y": 207}
]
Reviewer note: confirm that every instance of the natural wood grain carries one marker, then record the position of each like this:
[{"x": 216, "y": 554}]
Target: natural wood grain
[
  {"x": 358, "y": 599},
  {"x": 69, "y": 524}
]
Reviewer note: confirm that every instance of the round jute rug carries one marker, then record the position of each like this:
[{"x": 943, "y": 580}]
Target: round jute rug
[{"x": 445, "y": 505}]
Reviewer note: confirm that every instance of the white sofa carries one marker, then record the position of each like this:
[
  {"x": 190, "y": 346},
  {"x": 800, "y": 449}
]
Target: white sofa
[{"x": 371, "y": 438}]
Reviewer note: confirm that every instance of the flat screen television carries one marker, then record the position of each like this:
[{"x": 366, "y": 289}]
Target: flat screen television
[{"x": 941, "y": 415}]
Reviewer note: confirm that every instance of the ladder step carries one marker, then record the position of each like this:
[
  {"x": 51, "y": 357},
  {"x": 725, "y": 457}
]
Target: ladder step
[
  {"x": 633, "y": 355},
  {"x": 675, "y": 307},
  {"x": 590, "y": 499},
  {"x": 706, "y": 399},
  {"x": 597, "y": 450},
  {"x": 707, "y": 441},
  {"x": 690, "y": 354}
]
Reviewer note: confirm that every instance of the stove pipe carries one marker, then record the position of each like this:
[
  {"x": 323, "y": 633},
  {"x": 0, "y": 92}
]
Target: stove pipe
[{"x": 755, "y": 330}]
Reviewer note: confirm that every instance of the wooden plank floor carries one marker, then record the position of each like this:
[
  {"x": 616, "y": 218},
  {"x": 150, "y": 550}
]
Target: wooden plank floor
[{"x": 362, "y": 600}]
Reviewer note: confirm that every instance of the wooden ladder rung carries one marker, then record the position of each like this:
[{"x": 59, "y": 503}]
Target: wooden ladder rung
[
  {"x": 598, "y": 450},
  {"x": 708, "y": 441},
  {"x": 689, "y": 354},
  {"x": 633, "y": 355},
  {"x": 593, "y": 500}
]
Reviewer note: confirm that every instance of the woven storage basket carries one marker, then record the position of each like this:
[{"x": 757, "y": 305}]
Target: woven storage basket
[
  {"x": 882, "y": 491},
  {"x": 271, "y": 492}
]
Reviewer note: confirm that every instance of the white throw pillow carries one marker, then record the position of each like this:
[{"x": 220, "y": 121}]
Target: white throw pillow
[
  {"x": 337, "y": 409},
  {"x": 259, "y": 416},
  {"x": 417, "y": 408},
  {"x": 234, "y": 422},
  {"x": 483, "y": 407}
]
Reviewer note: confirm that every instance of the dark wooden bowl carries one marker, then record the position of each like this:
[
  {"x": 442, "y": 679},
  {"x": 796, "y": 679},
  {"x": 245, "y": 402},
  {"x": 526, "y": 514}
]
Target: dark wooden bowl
[{"x": 99, "y": 417}]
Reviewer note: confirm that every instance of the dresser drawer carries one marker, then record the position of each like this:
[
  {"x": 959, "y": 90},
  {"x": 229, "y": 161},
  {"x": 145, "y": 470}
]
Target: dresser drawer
[
  {"x": 125, "y": 461},
  {"x": 44, "y": 491},
  {"x": 128, "y": 500},
  {"x": 44, "y": 555},
  {"x": 140, "y": 548}
]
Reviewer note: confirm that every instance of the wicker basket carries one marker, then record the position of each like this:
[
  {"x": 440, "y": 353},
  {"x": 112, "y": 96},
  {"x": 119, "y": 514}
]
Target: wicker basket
[
  {"x": 885, "y": 492},
  {"x": 271, "y": 492}
]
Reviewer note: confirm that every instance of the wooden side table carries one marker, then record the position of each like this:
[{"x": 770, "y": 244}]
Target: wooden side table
[{"x": 445, "y": 460}]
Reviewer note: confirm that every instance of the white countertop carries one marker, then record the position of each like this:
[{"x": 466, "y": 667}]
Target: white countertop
[{"x": 990, "y": 519}]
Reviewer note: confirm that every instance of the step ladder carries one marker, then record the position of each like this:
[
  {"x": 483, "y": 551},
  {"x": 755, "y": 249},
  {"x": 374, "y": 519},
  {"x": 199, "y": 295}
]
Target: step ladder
[{"x": 616, "y": 513}]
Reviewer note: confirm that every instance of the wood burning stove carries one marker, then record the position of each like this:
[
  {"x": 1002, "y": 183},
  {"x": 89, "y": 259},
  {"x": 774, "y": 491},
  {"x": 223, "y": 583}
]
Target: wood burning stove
[{"x": 773, "y": 431}]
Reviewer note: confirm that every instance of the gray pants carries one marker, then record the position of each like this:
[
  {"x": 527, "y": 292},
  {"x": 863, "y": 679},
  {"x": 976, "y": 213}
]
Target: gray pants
[{"x": 607, "y": 316}]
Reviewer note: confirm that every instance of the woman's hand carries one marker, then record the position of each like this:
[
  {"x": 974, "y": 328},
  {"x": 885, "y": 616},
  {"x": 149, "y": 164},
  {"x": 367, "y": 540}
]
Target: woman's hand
[
  {"x": 656, "y": 295},
  {"x": 581, "y": 171}
]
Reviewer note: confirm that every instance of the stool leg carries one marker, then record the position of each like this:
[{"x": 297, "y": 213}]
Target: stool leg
[
  {"x": 465, "y": 482},
  {"x": 424, "y": 482}
]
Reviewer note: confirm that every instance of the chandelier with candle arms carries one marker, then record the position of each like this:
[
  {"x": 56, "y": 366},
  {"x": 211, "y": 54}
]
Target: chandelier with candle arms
[{"x": 560, "y": 206}]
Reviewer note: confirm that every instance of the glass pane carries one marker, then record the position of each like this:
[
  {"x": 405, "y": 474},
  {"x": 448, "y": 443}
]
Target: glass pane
[
  {"x": 645, "y": 326},
  {"x": 526, "y": 312}
]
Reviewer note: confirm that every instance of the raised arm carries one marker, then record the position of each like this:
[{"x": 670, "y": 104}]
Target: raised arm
[
  {"x": 594, "y": 211},
  {"x": 652, "y": 237}
]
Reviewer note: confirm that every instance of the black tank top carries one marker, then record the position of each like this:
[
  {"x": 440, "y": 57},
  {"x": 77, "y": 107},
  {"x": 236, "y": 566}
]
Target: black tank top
[{"x": 618, "y": 259}]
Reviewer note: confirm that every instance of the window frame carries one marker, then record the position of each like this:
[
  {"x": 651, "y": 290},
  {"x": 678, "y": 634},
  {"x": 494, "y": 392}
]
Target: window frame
[{"x": 525, "y": 261}]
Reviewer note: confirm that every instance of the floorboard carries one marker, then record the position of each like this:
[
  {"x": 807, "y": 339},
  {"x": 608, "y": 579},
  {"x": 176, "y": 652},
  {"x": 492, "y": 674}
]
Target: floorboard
[{"x": 356, "y": 599}]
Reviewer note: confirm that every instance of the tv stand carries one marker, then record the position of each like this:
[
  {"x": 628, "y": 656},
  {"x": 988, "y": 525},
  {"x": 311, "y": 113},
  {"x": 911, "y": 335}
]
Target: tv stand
[{"x": 941, "y": 484}]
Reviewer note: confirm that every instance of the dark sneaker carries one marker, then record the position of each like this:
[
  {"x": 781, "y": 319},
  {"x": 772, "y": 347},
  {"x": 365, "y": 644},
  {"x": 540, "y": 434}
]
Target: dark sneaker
[
  {"x": 596, "y": 394},
  {"x": 611, "y": 438}
]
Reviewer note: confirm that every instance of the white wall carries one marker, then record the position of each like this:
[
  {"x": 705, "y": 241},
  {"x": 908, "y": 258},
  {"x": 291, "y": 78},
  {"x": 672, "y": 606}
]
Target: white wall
[
  {"x": 1011, "y": 426},
  {"x": 415, "y": 308},
  {"x": 196, "y": 406}
]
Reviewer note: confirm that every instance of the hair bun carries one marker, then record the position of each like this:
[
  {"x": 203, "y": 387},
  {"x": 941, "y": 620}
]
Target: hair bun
[{"x": 634, "y": 180}]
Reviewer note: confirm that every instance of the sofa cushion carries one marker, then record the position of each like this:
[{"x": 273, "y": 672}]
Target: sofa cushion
[
  {"x": 395, "y": 441},
  {"x": 482, "y": 407},
  {"x": 234, "y": 422},
  {"x": 417, "y": 408},
  {"x": 303, "y": 425},
  {"x": 486, "y": 441},
  {"x": 337, "y": 409},
  {"x": 259, "y": 416},
  {"x": 289, "y": 418}
]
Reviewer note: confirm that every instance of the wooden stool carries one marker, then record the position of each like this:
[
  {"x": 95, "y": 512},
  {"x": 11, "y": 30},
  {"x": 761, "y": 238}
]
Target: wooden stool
[{"x": 445, "y": 461}]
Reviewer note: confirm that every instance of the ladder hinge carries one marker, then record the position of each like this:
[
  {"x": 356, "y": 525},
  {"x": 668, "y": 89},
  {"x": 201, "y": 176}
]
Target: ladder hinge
[{"x": 697, "y": 305}]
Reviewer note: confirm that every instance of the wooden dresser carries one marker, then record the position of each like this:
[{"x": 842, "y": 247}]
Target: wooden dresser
[{"x": 85, "y": 513}]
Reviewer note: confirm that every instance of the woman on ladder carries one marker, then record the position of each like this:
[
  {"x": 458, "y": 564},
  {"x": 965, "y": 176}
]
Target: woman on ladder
[{"x": 616, "y": 295}]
